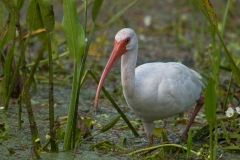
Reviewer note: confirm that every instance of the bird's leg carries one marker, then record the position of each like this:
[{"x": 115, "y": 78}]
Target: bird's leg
[
  {"x": 199, "y": 105},
  {"x": 148, "y": 128},
  {"x": 150, "y": 140}
]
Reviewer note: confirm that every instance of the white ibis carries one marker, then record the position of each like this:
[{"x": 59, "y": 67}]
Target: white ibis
[{"x": 153, "y": 90}]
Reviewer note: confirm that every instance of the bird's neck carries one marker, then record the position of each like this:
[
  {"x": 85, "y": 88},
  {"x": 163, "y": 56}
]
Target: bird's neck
[{"x": 128, "y": 64}]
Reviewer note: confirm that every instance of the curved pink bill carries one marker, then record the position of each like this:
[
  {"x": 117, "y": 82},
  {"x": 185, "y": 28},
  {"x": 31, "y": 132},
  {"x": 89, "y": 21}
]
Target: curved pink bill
[{"x": 118, "y": 50}]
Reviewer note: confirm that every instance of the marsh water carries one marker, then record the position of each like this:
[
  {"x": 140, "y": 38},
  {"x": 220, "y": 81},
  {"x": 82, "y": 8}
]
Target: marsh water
[{"x": 166, "y": 33}]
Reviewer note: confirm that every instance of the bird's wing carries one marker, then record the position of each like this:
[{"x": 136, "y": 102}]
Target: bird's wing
[
  {"x": 181, "y": 85},
  {"x": 168, "y": 88}
]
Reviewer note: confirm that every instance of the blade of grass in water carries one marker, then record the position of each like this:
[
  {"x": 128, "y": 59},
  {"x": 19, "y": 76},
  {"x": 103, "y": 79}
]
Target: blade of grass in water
[
  {"x": 111, "y": 100},
  {"x": 33, "y": 127},
  {"x": 7, "y": 86},
  {"x": 95, "y": 9},
  {"x": 48, "y": 22},
  {"x": 164, "y": 145},
  {"x": 2, "y": 11},
  {"x": 114, "y": 104},
  {"x": 210, "y": 112},
  {"x": 81, "y": 63},
  {"x": 76, "y": 44},
  {"x": 104, "y": 129},
  {"x": 189, "y": 143}
]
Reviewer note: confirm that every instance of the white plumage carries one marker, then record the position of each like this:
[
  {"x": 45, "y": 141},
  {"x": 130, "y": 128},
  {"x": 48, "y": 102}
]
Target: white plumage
[
  {"x": 153, "y": 90},
  {"x": 168, "y": 88}
]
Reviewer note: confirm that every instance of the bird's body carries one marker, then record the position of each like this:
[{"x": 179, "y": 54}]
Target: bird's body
[
  {"x": 153, "y": 90},
  {"x": 168, "y": 88}
]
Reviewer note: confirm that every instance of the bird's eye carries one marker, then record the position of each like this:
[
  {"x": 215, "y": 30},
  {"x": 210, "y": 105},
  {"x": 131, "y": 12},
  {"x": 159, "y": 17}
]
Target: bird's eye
[{"x": 127, "y": 40}]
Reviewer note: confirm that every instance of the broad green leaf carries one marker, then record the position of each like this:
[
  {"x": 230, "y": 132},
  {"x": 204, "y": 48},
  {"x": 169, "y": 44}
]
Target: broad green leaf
[
  {"x": 95, "y": 8},
  {"x": 34, "y": 19},
  {"x": 210, "y": 102},
  {"x": 47, "y": 14},
  {"x": 110, "y": 124},
  {"x": 73, "y": 29}
]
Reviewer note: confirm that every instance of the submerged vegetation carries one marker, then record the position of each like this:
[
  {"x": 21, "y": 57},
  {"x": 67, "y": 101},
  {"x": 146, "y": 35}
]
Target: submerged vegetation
[{"x": 51, "y": 57}]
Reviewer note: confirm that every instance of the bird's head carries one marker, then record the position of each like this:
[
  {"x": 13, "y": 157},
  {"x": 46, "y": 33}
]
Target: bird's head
[{"x": 125, "y": 40}]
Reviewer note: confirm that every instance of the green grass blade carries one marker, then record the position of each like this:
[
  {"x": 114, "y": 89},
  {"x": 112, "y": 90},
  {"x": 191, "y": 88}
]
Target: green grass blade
[
  {"x": 73, "y": 29},
  {"x": 189, "y": 143},
  {"x": 48, "y": 22},
  {"x": 225, "y": 133},
  {"x": 12, "y": 8},
  {"x": 210, "y": 102},
  {"x": 68, "y": 132},
  {"x": 120, "y": 13},
  {"x": 229, "y": 2},
  {"x": 233, "y": 65},
  {"x": 110, "y": 124},
  {"x": 95, "y": 9},
  {"x": 6, "y": 85},
  {"x": 215, "y": 56},
  {"x": 2, "y": 11},
  {"x": 104, "y": 129},
  {"x": 8, "y": 74},
  {"x": 210, "y": 110},
  {"x": 76, "y": 44},
  {"x": 215, "y": 146},
  {"x": 114, "y": 104},
  {"x": 209, "y": 13},
  {"x": 33, "y": 127},
  {"x": 161, "y": 146},
  {"x": 10, "y": 33},
  {"x": 47, "y": 14},
  {"x": 200, "y": 6}
]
